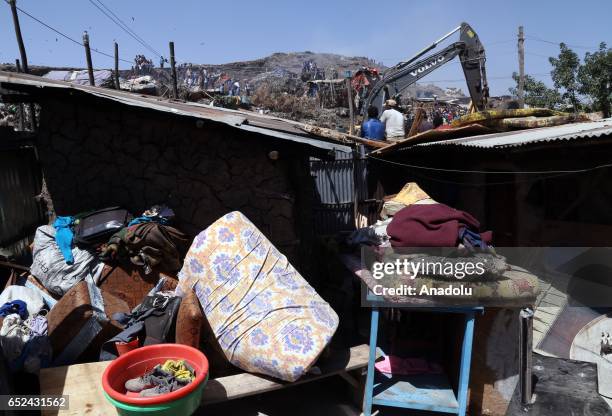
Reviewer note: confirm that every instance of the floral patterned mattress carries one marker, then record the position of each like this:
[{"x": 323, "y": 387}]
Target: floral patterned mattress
[{"x": 264, "y": 314}]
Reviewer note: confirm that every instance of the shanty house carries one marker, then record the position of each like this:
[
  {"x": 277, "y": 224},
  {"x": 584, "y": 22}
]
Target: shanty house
[{"x": 99, "y": 147}]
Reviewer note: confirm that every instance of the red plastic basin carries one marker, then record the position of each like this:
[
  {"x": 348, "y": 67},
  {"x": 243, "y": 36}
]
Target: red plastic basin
[{"x": 136, "y": 363}]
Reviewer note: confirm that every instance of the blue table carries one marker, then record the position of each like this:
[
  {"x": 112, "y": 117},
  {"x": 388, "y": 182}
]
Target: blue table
[{"x": 431, "y": 392}]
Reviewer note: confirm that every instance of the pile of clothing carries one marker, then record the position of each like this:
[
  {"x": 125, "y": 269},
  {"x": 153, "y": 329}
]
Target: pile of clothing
[
  {"x": 162, "y": 379},
  {"x": 24, "y": 329},
  {"x": 76, "y": 255},
  {"x": 76, "y": 248},
  {"x": 418, "y": 230},
  {"x": 413, "y": 219}
]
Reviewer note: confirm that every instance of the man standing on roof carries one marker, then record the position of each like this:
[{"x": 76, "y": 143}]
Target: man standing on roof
[
  {"x": 373, "y": 128},
  {"x": 394, "y": 122}
]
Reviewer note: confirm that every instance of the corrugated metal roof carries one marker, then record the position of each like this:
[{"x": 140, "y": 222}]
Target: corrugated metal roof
[
  {"x": 80, "y": 77},
  {"x": 592, "y": 129},
  {"x": 248, "y": 121}
]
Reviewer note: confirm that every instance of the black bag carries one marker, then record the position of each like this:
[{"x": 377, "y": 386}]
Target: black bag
[
  {"x": 96, "y": 227},
  {"x": 160, "y": 325}
]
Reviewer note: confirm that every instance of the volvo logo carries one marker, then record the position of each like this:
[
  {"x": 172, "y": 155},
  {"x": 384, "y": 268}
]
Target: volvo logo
[{"x": 427, "y": 66}]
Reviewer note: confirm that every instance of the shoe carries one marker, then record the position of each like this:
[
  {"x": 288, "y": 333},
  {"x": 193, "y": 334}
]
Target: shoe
[
  {"x": 164, "y": 387},
  {"x": 149, "y": 379},
  {"x": 182, "y": 371}
]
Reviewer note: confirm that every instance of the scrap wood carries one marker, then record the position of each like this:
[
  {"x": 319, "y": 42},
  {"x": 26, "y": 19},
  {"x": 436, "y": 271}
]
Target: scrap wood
[
  {"x": 342, "y": 137},
  {"x": 532, "y": 122},
  {"x": 82, "y": 383},
  {"x": 434, "y": 136},
  {"x": 483, "y": 116},
  {"x": 418, "y": 118}
]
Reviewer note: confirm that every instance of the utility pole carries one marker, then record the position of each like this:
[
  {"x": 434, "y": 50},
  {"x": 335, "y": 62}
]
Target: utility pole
[
  {"x": 88, "y": 57},
  {"x": 521, "y": 57},
  {"x": 116, "y": 66},
  {"x": 173, "y": 69},
  {"x": 22, "y": 51}
]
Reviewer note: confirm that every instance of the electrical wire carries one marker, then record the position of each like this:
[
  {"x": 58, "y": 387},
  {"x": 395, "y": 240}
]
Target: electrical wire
[
  {"x": 488, "y": 78},
  {"x": 123, "y": 26},
  {"x": 488, "y": 183},
  {"x": 509, "y": 172},
  {"x": 558, "y": 43},
  {"x": 64, "y": 35},
  {"x": 537, "y": 54}
]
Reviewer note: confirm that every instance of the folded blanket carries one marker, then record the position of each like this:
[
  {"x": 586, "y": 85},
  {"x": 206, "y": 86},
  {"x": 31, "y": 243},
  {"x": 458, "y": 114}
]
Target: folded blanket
[{"x": 433, "y": 225}]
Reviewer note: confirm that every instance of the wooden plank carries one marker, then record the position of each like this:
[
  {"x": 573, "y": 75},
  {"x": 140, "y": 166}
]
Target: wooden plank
[
  {"x": 554, "y": 299},
  {"x": 548, "y": 311},
  {"x": 342, "y": 137},
  {"x": 82, "y": 382},
  {"x": 541, "y": 327},
  {"x": 246, "y": 384},
  {"x": 547, "y": 304},
  {"x": 545, "y": 318}
]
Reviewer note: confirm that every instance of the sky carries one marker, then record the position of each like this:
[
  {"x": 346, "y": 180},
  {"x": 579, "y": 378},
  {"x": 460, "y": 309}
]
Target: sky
[{"x": 218, "y": 32}]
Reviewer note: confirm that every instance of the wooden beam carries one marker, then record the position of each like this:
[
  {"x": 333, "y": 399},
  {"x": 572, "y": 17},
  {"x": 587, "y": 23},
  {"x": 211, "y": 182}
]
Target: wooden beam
[
  {"x": 88, "y": 58},
  {"x": 351, "y": 105},
  {"x": 247, "y": 384},
  {"x": 173, "y": 69},
  {"x": 342, "y": 137},
  {"x": 116, "y": 66},
  {"x": 22, "y": 51},
  {"x": 82, "y": 383}
]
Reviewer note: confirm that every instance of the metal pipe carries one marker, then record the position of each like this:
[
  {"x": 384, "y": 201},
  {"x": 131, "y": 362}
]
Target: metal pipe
[{"x": 525, "y": 362}]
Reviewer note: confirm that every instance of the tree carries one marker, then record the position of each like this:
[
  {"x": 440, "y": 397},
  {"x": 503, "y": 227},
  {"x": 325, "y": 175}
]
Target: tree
[
  {"x": 565, "y": 73},
  {"x": 536, "y": 93},
  {"x": 595, "y": 78}
]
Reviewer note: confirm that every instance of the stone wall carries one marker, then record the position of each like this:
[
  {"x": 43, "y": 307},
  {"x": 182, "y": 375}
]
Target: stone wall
[{"x": 97, "y": 154}]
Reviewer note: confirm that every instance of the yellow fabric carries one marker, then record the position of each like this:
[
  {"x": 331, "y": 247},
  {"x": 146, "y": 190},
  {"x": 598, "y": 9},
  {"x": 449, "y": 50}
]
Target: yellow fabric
[
  {"x": 482, "y": 117},
  {"x": 410, "y": 193},
  {"x": 178, "y": 369}
]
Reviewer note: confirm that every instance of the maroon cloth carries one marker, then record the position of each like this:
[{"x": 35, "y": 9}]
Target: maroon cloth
[{"x": 431, "y": 225}]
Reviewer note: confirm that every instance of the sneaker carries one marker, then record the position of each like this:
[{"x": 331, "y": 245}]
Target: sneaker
[
  {"x": 162, "y": 388},
  {"x": 182, "y": 371},
  {"x": 149, "y": 379}
]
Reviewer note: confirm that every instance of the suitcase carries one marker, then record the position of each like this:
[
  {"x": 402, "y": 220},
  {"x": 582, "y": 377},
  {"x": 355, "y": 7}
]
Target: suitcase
[
  {"x": 77, "y": 329},
  {"x": 129, "y": 283},
  {"x": 96, "y": 227}
]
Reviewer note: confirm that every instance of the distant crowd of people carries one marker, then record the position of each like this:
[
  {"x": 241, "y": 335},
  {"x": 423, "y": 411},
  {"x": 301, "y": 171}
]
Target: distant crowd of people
[
  {"x": 142, "y": 65},
  {"x": 392, "y": 125}
]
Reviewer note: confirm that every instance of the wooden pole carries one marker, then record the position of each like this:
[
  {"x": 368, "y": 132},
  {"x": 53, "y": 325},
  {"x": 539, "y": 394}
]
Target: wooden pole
[
  {"x": 521, "y": 58},
  {"x": 418, "y": 117},
  {"x": 116, "y": 66},
  {"x": 88, "y": 57},
  {"x": 22, "y": 120},
  {"x": 351, "y": 103},
  {"x": 173, "y": 69},
  {"x": 22, "y": 51}
]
